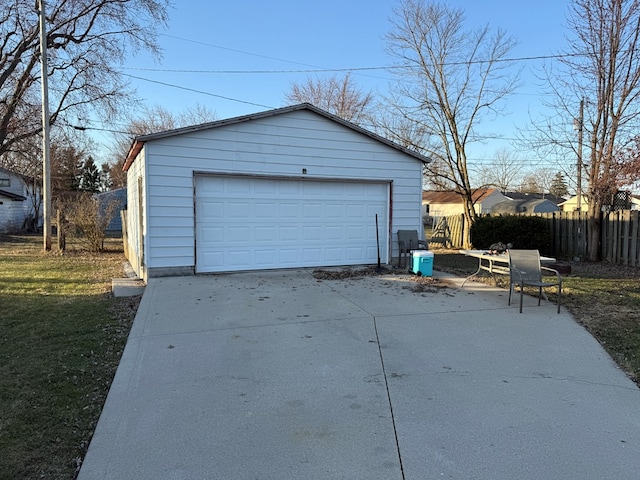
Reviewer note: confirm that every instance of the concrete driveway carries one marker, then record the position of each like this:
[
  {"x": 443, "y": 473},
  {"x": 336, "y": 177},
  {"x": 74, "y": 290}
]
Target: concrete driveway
[{"x": 277, "y": 375}]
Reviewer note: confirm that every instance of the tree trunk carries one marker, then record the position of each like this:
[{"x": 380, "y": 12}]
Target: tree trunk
[
  {"x": 469, "y": 218},
  {"x": 594, "y": 227}
]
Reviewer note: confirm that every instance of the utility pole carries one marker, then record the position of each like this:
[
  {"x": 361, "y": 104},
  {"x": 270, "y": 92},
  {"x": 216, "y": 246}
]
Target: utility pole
[
  {"x": 46, "y": 160},
  {"x": 580, "y": 129}
]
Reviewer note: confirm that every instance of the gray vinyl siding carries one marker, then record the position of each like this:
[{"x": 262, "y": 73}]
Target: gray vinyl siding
[{"x": 279, "y": 145}]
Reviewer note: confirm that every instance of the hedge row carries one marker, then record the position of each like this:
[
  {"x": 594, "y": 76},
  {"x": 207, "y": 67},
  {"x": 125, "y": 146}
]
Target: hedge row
[{"x": 524, "y": 232}]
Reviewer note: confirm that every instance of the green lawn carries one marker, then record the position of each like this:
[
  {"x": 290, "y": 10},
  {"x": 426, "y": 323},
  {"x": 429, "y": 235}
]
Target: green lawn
[{"x": 61, "y": 337}]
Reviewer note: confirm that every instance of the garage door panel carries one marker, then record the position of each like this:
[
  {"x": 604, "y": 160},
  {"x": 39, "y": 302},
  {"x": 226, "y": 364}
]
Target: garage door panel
[
  {"x": 288, "y": 234},
  {"x": 289, "y": 189},
  {"x": 288, "y": 256},
  {"x": 313, "y": 211},
  {"x": 356, "y": 233},
  {"x": 268, "y": 233},
  {"x": 333, "y": 254},
  {"x": 237, "y": 233},
  {"x": 242, "y": 258},
  {"x": 312, "y": 233},
  {"x": 312, "y": 255},
  {"x": 289, "y": 210},
  {"x": 259, "y": 223},
  {"x": 237, "y": 209},
  {"x": 265, "y": 209},
  {"x": 265, "y": 258},
  {"x": 215, "y": 259}
]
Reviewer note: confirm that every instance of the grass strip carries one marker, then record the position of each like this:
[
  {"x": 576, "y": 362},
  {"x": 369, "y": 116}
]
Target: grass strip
[{"x": 61, "y": 337}]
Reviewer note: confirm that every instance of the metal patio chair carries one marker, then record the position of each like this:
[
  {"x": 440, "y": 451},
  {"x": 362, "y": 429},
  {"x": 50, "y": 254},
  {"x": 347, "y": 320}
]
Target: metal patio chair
[
  {"x": 525, "y": 269},
  {"x": 408, "y": 241}
]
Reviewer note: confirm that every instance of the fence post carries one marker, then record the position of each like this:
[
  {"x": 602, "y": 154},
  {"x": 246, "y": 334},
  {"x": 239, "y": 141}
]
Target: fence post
[
  {"x": 633, "y": 247},
  {"x": 62, "y": 234}
]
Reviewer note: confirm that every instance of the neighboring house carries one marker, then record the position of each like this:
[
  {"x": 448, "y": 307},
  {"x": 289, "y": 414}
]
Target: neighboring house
[
  {"x": 525, "y": 206},
  {"x": 445, "y": 203},
  {"x": 519, "y": 196},
  {"x": 287, "y": 188},
  {"x": 16, "y": 200},
  {"x": 119, "y": 198},
  {"x": 571, "y": 204}
]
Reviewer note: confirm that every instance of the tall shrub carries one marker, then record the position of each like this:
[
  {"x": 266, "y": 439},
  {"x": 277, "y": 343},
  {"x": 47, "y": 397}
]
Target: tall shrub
[{"x": 524, "y": 232}]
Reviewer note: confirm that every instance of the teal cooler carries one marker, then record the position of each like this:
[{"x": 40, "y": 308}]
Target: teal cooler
[{"x": 422, "y": 263}]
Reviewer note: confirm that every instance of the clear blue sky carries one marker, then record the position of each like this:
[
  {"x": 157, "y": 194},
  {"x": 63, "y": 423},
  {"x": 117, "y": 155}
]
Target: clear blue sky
[{"x": 291, "y": 37}]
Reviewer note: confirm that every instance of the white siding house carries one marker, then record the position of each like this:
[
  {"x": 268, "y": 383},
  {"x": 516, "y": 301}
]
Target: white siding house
[
  {"x": 292, "y": 187},
  {"x": 16, "y": 200},
  {"x": 446, "y": 203}
]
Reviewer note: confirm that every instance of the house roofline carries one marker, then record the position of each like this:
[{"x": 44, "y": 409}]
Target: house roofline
[
  {"x": 12, "y": 196},
  {"x": 139, "y": 141},
  {"x": 24, "y": 178}
]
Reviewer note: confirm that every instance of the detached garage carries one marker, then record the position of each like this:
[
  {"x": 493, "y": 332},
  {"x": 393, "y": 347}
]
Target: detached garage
[{"x": 288, "y": 188}]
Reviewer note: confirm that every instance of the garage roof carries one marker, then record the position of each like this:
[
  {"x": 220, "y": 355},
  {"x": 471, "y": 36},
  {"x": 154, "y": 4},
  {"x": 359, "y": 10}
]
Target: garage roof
[{"x": 139, "y": 141}]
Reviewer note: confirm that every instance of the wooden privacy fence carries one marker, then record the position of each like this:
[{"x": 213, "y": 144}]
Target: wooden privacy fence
[
  {"x": 568, "y": 233},
  {"x": 448, "y": 232},
  {"x": 619, "y": 238}
]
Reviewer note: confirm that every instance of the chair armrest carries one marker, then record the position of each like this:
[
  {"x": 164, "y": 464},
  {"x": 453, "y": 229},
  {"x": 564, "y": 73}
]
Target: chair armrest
[{"x": 551, "y": 271}]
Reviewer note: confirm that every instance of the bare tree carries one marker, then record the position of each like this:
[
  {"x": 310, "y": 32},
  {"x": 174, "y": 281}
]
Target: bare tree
[
  {"x": 628, "y": 160},
  {"x": 151, "y": 120},
  {"x": 86, "y": 41},
  {"x": 448, "y": 79},
  {"x": 538, "y": 181},
  {"x": 503, "y": 173},
  {"x": 544, "y": 178},
  {"x": 339, "y": 96},
  {"x": 602, "y": 68}
]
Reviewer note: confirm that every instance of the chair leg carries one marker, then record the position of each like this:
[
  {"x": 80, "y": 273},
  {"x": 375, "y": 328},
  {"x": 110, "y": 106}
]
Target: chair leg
[
  {"x": 559, "y": 293},
  {"x": 521, "y": 296},
  {"x": 539, "y": 295}
]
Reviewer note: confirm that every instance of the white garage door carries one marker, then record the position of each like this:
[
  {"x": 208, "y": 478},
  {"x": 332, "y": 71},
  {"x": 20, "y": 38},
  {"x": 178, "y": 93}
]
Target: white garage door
[{"x": 247, "y": 223}]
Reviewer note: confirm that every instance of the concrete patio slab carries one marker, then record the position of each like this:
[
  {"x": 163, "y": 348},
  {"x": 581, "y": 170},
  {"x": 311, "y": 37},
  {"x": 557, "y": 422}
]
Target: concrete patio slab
[{"x": 279, "y": 375}]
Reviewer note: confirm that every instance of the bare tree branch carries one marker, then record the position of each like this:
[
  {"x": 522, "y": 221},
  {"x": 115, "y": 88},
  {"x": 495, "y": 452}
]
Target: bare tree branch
[
  {"x": 339, "y": 96},
  {"x": 86, "y": 40},
  {"x": 601, "y": 67},
  {"x": 448, "y": 80}
]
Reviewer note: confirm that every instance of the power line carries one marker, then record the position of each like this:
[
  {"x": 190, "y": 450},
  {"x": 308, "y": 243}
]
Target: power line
[
  {"x": 196, "y": 91},
  {"x": 346, "y": 69},
  {"x": 257, "y": 72},
  {"x": 238, "y": 51}
]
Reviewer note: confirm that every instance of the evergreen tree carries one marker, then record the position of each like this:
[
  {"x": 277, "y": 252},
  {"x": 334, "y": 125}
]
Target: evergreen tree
[
  {"x": 559, "y": 186},
  {"x": 66, "y": 164},
  {"x": 105, "y": 178},
  {"x": 90, "y": 176}
]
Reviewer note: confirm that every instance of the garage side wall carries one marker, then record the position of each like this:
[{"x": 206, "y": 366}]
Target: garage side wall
[
  {"x": 293, "y": 144},
  {"x": 135, "y": 217}
]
